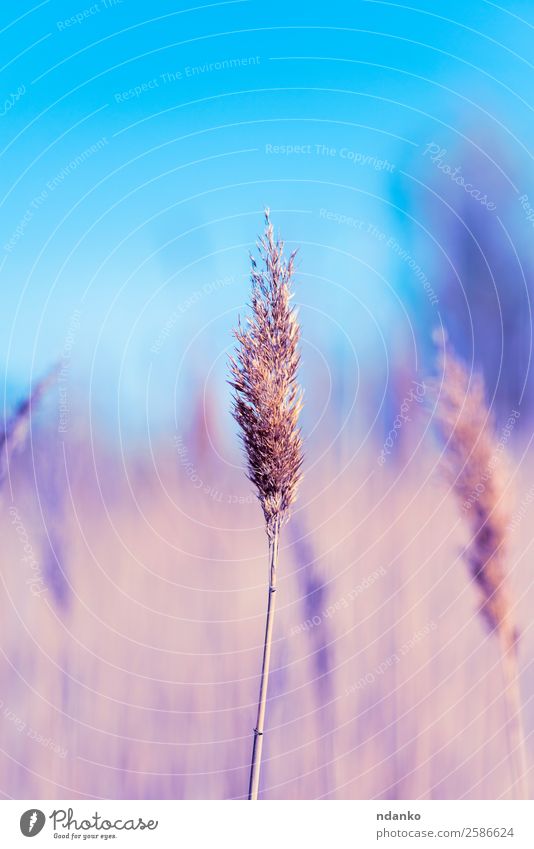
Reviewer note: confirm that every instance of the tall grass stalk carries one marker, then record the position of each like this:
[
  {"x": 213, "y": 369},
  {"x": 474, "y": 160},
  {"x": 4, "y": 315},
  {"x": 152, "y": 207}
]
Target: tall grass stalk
[
  {"x": 257, "y": 746},
  {"x": 15, "y": 430},
  {"x": 475, "y": 466},
  {"x": 266, "y": 405}
]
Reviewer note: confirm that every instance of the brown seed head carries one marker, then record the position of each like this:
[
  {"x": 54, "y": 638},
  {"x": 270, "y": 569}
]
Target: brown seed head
[
  {"x": 267, "y": 399},
  {"x": 475, "y": 468}
]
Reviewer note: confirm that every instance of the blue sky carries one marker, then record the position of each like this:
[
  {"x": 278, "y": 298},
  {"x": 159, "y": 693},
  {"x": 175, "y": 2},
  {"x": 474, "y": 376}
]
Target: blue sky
[{"x": 140, "y": 143}]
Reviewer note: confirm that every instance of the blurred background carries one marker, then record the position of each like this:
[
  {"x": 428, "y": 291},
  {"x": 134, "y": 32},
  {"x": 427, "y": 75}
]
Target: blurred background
[{"x": 139, "y": 147}]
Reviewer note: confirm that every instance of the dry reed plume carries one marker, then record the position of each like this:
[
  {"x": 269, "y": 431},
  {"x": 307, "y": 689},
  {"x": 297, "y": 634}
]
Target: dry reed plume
[
  {"x": 267, "y": 403},
  {"x": 475, "y": 467},
  {"x": 16, "y": 429}
]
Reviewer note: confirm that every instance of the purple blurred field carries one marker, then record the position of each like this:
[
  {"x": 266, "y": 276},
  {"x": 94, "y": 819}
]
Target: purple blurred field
[{"x": 133, "y": 605}]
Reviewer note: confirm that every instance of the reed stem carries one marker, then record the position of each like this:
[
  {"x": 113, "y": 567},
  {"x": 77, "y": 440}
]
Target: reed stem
[
  {"x": 514, "y": 721},
  {"x": 267, "y": 644}
]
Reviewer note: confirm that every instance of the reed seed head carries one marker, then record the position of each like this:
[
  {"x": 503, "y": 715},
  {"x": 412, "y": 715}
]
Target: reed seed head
[
  {"x": 16, "y": 429},
  {"x": 474, "y": 464},
  {"x": 267, "y": 399}
]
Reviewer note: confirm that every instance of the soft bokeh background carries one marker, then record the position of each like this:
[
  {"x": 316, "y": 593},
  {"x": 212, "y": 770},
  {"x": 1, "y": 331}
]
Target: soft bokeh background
[{"x": 139, "y": 146}]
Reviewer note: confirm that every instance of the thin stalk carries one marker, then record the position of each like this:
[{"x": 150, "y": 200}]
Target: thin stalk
[
  {"x": 266, "y": 662},
  {"x": 514, "y": 723}
]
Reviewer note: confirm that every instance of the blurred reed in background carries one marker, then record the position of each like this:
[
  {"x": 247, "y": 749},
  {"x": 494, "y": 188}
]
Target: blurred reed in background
[{"x": 131, "y": 625}]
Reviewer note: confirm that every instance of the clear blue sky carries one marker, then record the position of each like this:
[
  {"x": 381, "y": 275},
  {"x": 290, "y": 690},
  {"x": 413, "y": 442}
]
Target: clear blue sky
[{"x": 140, "y": 143}]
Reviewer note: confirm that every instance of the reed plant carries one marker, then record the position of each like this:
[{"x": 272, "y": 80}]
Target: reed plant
[
  {"x": 267, "y": 402},
  {"x": 476, "y": 468},
  {"x": 16, "y": 427}
]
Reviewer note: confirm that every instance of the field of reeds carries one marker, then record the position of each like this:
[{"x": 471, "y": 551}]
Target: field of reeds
[
  {"x": 133, "y": 608},
  {"x": 266, "y": 527}
]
